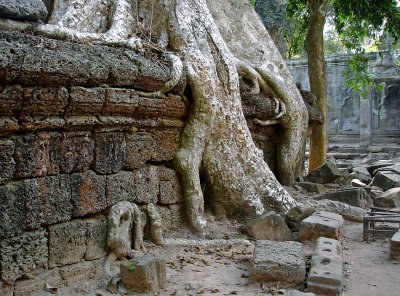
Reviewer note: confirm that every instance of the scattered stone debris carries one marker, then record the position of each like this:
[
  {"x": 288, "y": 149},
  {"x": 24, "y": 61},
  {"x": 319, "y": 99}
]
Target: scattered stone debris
[
  {"x": 386, "y": 180},
  {"x": 311, "y": 187},
  {"x": 348, "y": 212},
  {"x": 362, "y": 174},
  {"x": 298, "y": 293},
  {"x": 388, "y": 199},
  {"x": 270, "y": 226},
  {"x": 326, "y": 173},
  {"x": 326, "y": 274},
  {"x": 321, "y": 224},
  {"x": 278, "y": 262}
]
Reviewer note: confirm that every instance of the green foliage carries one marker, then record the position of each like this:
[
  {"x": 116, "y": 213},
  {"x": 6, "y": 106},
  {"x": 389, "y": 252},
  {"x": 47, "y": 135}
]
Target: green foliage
[
  {"x": 297, "y": 16},
  {"x": 358, "y": 77},
  {"x": 253, "y": 3}
]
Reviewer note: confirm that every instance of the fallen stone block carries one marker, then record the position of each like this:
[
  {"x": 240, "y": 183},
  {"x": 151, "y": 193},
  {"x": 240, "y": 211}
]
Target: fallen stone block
[
  {"x": 362, "y": 174},
  {"x": 358, "y": 183},
  {"x": 348, "y": 212},
  {"x": 395, "y": 168},
  {"x": 270, "y": 226},
  {"x": 326, "y": 173},
  {"x": 278, "y": 262},
  {"x": 386, "y": 180},
  {"x": 298, "y": 293},
  {"x": 311, "y": 187},
  {"x": 321, "y": 224},
  {"x": 326, "y": 273},
  {"x": 378, "y": 164},
  {"x": 395, "y": 246},
  {"x": 388, "y": 199},
  {"x": 356, "y": 197},
  {"x": 144, "y": 274}
]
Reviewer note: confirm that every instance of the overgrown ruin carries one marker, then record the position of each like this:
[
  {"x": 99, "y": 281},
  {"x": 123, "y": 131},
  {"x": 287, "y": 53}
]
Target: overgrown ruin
[{"x": 121, "y": 121}]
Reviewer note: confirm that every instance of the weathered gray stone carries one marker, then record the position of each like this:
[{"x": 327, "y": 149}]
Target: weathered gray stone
[
  {"x": 348, "y": 212},
  {"x": 395, "y": 168},
  {"x": 278, "y": 262},
  {"x": 362, "y": 173},
  {"x": 77, "y": 152},
  {"x": 321, "y": 224},
  {"x": 88, "y": 193},
  {"x": 295, "y": 215},
  {"x": 388, "y": 199},
  {"x": 6, "y": 290},
  {"x": 96, "y": 237},
  {"x": 37, "y": 285},
  {"x": 378, "y": 164},
  {"x": 110, "y": 152},
  {"x": 67, "y": 243},
  {"x": 326, "y": 274},
  {"x": 12, "y": 209},
  {"x": 120, "y": 187},
  {"x": 356, "y": 197},
  {"x": 48, "y": 200},
  {"x": 311, "y": 187},
  {"x": 146, "y": 185},
  {"x": 395, "y": 246},
  {"x": 144, "y": 274},
  {"x": 170, "y": 186},
  {"x": 37, "y": 155},
  {"x": 172, "y": 217},
  {"x": 23, "y": 10},
  {"x": 386, "y": 180},
  {"x": 358, "y": 183},
  {"x": 270, "y": 226},
  {"x": 21, "y": 255},
  {"x": 7, "y": 163},
  {"x": 75, "y": 274},
  {"x": 326, "y": 173}
]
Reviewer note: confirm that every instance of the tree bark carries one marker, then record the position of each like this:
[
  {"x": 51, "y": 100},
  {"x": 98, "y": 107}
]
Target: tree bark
[
  {"x": 217, "y": 43},
  {"x": 317, "y": 78}
]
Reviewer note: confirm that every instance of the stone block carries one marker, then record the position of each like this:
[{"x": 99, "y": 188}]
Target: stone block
[
  {"x": 139, "y": 149},
  {"x": 296, "y": 215},
  {"x": 119, "y": 187},
  {"x": 96, "y": 237},
  {"x": 21, "y": 255},
  {"x": 356, "y": 197},
  {"x": 362, "y": 173},
  {"x": 388, "y": 199},
  {"x": 166, "y": 144},
  {"x": 358, "y": 183},
  {"x": 146, "y": 185},
  {"x": 278, "y": 263},
  {"x": 75, "y": 274},
  {"x": 12, "y": 209},
  {"x": 37, "y": 155},
  {"x": 378, "y": 164},
  {"x": 26, "y": 10},
  {"x": 395, "y": 246},
  {"x": 110, "y": 152},
  {"x": 77, "y": 152},
  {"x": 326, "y": 274},
  {"x": 386, "y": 180},
  {"x": 43, "y": 102},
  {"x": 298, "y": 293},
  {"x": 319, "y": 224},
  {"x": 326, "y": 173},
  {"x": 37, "y": 286},
  {"x": 172, "y": 217},
  {"x": 88, "y": 193},
  {"x": 120, "y": 101},
  {"x": 67, "y": 243},
  {"x": 270, "y": 226},
  {"x": 86, "y": 101},
  {"x": 348, "y": 212},
  {"x": 170, "y": 186},
  {"x": 311, "y": 187},
  {"x": 48, "y": 200},
  {"x": 7, "y": 163},
  {"x": 11, "y": 98},
  {"x": 144, "y": 274}
]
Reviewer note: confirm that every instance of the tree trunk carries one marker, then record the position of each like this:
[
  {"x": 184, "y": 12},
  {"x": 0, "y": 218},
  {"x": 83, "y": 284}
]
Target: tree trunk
[
  {"x": 317, "y": 77},
  {"x": 217, "y": 43}
]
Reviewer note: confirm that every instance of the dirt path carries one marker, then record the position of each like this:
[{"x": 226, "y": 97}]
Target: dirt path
[{"x": 368, "y": 269}]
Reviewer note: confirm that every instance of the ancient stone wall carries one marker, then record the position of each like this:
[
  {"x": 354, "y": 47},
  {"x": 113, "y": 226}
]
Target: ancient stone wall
[
  {"x": 346, "y": 108},
  {"x": 75, "y": 139}
]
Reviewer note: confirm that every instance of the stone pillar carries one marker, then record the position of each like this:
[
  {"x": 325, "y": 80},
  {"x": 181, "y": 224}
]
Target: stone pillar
[{"x": 366, "y": 120}]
